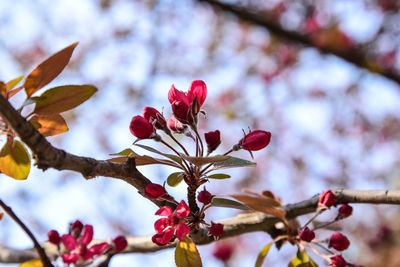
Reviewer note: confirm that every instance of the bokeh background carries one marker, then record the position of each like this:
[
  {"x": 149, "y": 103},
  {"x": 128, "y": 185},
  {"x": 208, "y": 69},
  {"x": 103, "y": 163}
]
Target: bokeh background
[{"x": 333, "y": 124}]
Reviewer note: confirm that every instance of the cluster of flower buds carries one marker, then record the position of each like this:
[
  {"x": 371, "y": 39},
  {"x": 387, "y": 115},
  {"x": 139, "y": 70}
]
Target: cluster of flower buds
[
  {"x": 186, "y": 107},
  {"x": 75, "y": 247},
  {"x": 337, "y": 241}
]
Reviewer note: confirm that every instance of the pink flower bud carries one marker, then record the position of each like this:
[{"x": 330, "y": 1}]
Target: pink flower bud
[
  {"x": 154, "y": 191},
  {"x": 338, "y": 261},
  {"x": 54, "y": 237},
  {"x": 120, "y": 243},
  {"x": 327, "y": 199},
  {"x": 98, "y": 249},
  {"x": 69, "y": 242},
  {"x": 175, "y": 125},
  {"x": 307, "y": 235},
  {"x": 213, "y": 139},
  {"x": 141, "y": 128},
  {"x": 223, "y": 251},
  {"x": 180, "y": 110},
  {"x": 339, "y": 242},
  {"x": 345, "y": 211},
  {"x": 152, "y": 114},
  {"x": 204, "y": 197},
  {"x": 198, "y": 89},
  {"x": 216, "y": 229},
  {"x": 255, "y": 140}
]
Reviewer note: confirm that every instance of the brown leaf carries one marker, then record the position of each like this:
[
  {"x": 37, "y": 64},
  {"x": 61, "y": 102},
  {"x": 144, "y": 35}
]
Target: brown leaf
[
  {"x": 50, "y": 125},
  {"x": 266, "y": 205},
  {"x": 49, "y": 69}
]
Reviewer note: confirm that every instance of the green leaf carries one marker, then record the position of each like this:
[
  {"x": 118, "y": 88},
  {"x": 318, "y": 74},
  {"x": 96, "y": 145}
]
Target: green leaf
[
  {"x": 49, "y": 125},
  {"x": 32, "y": 263},
  {"x": 15, "y": 160},
  {"x": 125, "y": 152},
  {"x": 170, "y": 156},
  {"x": 219, "y": 176},
  {"x": 11, "y": 84},
  {"x": 187, "y": 255},
  {"x": 175, "y": 178},
  {"x": 233, "y": 162},
  {"x": 63, "y": 98},
  {"x": 199, "y": 161},
  {"x": 49, "y": 69},
  {"x": 263, "y": 253},
  {"x": 228, "y": 203}
]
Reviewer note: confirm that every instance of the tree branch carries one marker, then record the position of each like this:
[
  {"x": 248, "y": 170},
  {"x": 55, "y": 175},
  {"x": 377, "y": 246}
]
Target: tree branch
[
  {"x": 47, "y": 156},
  {"x": 242, "y": 223},
  {"x": 353, "y": 56}
]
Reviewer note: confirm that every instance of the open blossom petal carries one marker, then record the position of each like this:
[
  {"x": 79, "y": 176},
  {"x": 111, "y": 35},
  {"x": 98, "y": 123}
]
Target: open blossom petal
[
  {"x": 161, "y": 224},
  {"x": 70, "y": 258},
  {"x": 182, "y": 211},
  {"x": 164, "y": 211},
  {"x": 197, "y": 89},
  {"x": 69, "y": 242},
  {"x": 163, "y": 238},
  {"x": 176, "y": 95},
  {"x": 180, "y": 110},
  {"x": 87, "y": 234},
  {"x": 182, "y": 230},
  {"x": 98, "y": 249}
]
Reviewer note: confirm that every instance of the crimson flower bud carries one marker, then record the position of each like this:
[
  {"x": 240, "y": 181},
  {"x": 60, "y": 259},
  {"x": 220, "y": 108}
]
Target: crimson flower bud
[
  {"x": 204, "y": 197},
  {"x": 345, "y": 211},
  {"x": 339, "y": 242},
  {"x": 54, "y": 237},
  {"x": 223, "y": 251},
  {"x": 76, "y": 228},
  {"x": 180, "y": 110},
  {"x": 307, "y": 235},
  {"x": 120, "y": 243},
  {"x": 175, "y": 125},
  {"x": 198, "y": 89},
  {"x": 327, "y": 199},
  {"x": 152, "y": 114},
  {"x": 338, "y": 261},
  {"x": 255, "y": 140},
  {"x": 141, "y": 128},
  {"x": 216, "y": 229},
  {"x": 213, "y": 139},
  {"x": 155, "y": 191}
]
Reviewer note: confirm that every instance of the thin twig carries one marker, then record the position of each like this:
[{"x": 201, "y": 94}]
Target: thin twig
[{"x": 45, "y": 260}]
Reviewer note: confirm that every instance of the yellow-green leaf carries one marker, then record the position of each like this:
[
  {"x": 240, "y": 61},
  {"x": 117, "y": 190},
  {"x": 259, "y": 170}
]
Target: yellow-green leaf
[
  {"x": 228, "y": 203},
  {"x": 263, "y": 253},
  {"x": 62, "y": 98},
  {"x": 15, "y": 160},
  {"x": 32, "y": 263},
  {"x": 49, "y": 125},
  {"x": 49, "y": 69},
  {"x": 219, "y": 176},
  {"x": 233, "y": 162},
  {"x": 11, "y": 84},
  {"x": 125, "y": 152},
  {"x": 175, "y": 178},
  {"x": 187, "y": 255}
]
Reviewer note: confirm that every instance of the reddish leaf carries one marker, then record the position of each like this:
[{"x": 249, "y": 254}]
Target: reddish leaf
[
  {"x": 62, "y": 98},
  {"x": 1, "y": 215},
  {"x": 49, "y": 125},
  {"x": 15, "y": 160},
  {"x": 3, "y": 89},
  {"x": 48, "y": 70}
]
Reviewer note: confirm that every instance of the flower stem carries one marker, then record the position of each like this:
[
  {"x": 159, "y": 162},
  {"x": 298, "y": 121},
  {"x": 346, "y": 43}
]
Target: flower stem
[
  {"x": 43, "y": 257},
  {"x": 176, "y": 152},
  {"x": 179, "y": 144}
]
